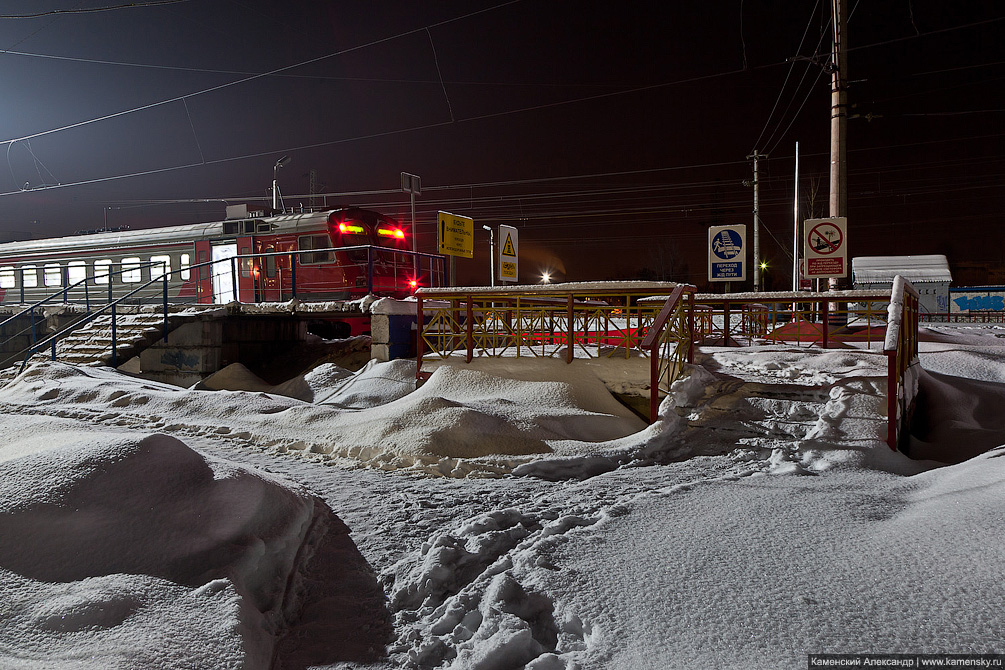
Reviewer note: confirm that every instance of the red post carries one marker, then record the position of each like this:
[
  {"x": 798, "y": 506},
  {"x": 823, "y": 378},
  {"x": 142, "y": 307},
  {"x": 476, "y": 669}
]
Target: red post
[
  {"x": 571, "y": 314},
  {"x": 825, "y": 325}
]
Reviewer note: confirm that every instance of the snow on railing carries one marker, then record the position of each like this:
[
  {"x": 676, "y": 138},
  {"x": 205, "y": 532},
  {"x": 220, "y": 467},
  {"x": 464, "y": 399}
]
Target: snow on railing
[{"x": 901, "y": 349}]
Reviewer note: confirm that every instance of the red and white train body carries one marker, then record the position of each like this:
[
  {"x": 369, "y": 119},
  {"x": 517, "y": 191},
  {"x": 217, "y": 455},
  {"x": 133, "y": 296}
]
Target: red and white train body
[{"x": 327, "y": 255}]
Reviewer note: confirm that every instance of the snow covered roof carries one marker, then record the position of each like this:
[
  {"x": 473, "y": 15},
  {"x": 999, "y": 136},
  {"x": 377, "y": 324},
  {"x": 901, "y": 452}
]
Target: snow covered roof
[{"x": 876, "y": 269}]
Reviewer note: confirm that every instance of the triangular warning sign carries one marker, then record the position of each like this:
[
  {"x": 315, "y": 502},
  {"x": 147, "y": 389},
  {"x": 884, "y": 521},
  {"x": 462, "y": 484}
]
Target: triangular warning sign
[{"x": 508, "y": 249}]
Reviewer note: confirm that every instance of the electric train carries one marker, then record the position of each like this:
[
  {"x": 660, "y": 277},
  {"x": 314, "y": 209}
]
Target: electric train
[{"x": 250, "y": 257}]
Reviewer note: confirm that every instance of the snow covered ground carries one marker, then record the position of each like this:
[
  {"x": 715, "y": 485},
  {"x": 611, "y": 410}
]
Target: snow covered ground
[{"x": 350, "y": 521}]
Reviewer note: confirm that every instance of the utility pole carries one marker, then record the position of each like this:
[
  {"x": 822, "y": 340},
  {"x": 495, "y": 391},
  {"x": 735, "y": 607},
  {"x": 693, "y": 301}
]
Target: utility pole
[
  {"x": 757, "y": 229},
  {"x": 839, "y": 117},
  {"x": 795, "y": 227}
]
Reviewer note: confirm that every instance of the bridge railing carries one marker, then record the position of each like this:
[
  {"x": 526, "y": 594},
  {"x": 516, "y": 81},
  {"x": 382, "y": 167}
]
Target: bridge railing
[
  {"x": 566, "y": 321},
  {"x": 903, "y": 365},
  {"x": 796, "y": 318}
]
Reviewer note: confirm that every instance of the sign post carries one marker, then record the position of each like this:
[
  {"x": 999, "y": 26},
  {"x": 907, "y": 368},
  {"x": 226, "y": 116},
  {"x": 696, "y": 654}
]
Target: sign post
[
  {"x": 825, "y": 247},
  {"x": 727, "y": 253},
  {"x": 412, "y": 185},
  {"x": 509, "y": 253}
]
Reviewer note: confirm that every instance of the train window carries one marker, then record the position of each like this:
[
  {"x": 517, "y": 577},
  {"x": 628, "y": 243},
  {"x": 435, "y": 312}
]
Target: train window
[
  {"x": 76, "y": 271},
  {"x": 307, "y": 242},
  {"x": 203, "y": 269},
  {"x": 7, "y": 277},
  {"x": 52, "y": 274},
  {"x": 29, "y": 276},
  {"x": 101, "y": 269},
  {"x": 160, "y": 265},
  {"x": 131, "y": 270},
  {"x": 185, "y": 272}
]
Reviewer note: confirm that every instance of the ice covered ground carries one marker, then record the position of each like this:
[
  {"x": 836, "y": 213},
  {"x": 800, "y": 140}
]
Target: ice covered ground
[{"x": 763, "y": 518}]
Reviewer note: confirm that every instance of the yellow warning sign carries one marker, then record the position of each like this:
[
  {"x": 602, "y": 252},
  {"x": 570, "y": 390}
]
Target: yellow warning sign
[
  {"x": 455, "y": 235},
  {"x": 509, "y": 253},
  {"x": 508, "y": 249}
]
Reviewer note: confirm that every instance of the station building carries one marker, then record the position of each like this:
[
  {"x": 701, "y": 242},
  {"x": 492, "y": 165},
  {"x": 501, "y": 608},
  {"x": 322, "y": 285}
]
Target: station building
[{"x": 929, "y": 274}]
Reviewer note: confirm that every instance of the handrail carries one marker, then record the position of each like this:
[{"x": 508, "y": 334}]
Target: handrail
[
  {"x": 655, "y": 337},
  {"x": 91, "y": 316}
]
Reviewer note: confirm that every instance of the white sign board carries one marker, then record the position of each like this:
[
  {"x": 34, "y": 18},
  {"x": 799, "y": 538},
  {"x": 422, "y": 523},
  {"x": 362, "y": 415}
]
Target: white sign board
[
  {"x": 509, "y": 252},
  {"x": 727, "y": 252},
  {"x": 825, "y": 247}
]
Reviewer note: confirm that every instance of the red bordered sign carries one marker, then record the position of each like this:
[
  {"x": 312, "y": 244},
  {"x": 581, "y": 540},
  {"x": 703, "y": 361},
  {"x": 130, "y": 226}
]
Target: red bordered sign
[{"x": 825, "y": 247}]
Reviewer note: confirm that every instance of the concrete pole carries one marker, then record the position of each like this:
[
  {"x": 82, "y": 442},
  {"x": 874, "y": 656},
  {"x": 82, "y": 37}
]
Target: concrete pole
[
  {"x": 757, "y": 229},
  {"x": 795, "y": 227},
  {"x": 838, "y": 200}
]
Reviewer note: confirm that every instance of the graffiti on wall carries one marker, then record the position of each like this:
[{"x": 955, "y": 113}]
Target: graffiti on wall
[{"x": 969, "y": 300}]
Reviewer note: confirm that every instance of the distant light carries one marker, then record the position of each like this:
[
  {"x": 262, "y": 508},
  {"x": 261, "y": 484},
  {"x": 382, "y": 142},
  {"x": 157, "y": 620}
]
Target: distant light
[
  {"x": 764, "y": 265},
  {"x": 414, "y": 284},
  {"x": 545, "y": 277}
]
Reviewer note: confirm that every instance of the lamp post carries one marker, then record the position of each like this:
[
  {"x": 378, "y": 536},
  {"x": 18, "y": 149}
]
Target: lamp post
[
  {"x": 492, "y": 255},
  {"x": 282, "y": 162}
]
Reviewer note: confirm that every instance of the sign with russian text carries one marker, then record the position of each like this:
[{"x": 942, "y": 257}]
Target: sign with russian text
[
  {"x": 455, "y": 235},
  {"x": 509, "y": 253},
  {"x": 727, "y": 251},
  {"x": 825, "y": 247}
]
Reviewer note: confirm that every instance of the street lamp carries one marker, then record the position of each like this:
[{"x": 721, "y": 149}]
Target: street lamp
[
  {"x": 492, "y": 255},
  {"x": 282, "y": 162}
]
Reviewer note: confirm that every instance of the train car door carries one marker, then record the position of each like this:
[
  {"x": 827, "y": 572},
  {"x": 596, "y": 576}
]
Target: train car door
[
  {"x": 203, "y": 281},
  {"x": 223, "y": 272},
  {"x": 274, "y": 279},
  {"x": 245, "y": 275}
]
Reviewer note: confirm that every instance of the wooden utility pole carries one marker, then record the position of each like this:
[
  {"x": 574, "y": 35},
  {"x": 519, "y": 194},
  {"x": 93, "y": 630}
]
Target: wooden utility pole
[{"x": 839, "y": 117}]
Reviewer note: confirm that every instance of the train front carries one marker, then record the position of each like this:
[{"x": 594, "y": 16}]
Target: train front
[{"x": 375, "y": 254}]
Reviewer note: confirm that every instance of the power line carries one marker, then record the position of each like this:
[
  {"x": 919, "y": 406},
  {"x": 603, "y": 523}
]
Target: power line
[{"x": 92, "y": 10}]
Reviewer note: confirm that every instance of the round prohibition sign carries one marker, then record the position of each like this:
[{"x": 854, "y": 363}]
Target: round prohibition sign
[{"x": 825, "y": 238}]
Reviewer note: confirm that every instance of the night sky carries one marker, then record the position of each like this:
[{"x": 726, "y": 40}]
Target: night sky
[{"x": 612, "y": 134}]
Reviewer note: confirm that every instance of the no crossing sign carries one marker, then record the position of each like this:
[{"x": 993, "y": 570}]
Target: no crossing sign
[{"x": 825, "y": 247}]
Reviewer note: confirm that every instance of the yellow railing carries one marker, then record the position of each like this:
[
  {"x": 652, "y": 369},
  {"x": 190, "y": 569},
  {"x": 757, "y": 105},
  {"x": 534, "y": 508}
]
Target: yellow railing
[{"x": 568, "y": 322}]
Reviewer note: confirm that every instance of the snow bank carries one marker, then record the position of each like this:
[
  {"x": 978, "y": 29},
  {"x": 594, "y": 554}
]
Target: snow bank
[{"x": 125, "y": 539}]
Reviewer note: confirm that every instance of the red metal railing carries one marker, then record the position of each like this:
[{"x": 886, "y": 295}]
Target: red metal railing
[{"x": 901, "y": 349}]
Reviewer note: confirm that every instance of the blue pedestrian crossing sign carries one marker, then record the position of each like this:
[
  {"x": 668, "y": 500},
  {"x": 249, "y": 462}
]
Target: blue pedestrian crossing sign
[{"x": 727, "y": 252}]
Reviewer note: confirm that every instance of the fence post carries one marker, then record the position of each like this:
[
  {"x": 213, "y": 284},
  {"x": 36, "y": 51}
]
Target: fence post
[
  {"x": 469, "y": 329},
  {"x": 165, "y": 308},
  {"x": 825, "y": 322},
  {"x": 115, "y": 345},
  {"x": 233, "y": 276},
  {"x": 571, "y": 319},
  {"x": 419, "y": 340}
]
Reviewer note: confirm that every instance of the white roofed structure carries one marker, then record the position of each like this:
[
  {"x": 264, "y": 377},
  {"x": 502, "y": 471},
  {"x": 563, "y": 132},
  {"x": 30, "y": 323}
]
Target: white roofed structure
[
  {"x": 882, "y": 269},
  {"x": 929, "y": 274}
]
